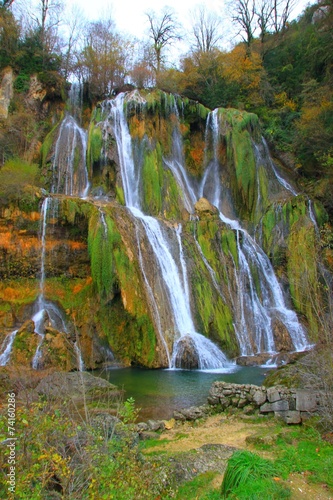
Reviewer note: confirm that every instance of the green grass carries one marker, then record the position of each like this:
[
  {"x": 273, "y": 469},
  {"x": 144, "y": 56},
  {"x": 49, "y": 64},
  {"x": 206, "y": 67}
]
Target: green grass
[
  {"x": 152, "y": 443},
  {"x": 244, "y": 467},
  {"x": 200, "y": 488}
]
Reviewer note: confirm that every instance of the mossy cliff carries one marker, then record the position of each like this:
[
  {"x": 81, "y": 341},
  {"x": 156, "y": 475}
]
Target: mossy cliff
[{"x": 99, "y": 266}]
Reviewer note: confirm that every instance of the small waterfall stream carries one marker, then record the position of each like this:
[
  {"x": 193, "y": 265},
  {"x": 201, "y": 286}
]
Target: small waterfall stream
[
  {"x": 6, "y": 348},
  {"x": 45, "y": 311},
  {"x": 70, "y": 174}
]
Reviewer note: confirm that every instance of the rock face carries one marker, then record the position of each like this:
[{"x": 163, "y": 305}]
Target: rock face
[
  {"x": 292, "y": 405},
  {"x": 6, "y": 92}
]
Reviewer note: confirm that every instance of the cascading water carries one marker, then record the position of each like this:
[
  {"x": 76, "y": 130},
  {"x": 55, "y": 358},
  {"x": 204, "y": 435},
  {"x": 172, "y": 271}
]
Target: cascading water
[
  {"x": 256, "y": 314},
  {"x": 174, "y": 278},
  {"x": 70, "y": 174},
  {"x": 6, "y": 348},
  {"x": 253, "y": 315},
  {"x": 45, "y": 312}
]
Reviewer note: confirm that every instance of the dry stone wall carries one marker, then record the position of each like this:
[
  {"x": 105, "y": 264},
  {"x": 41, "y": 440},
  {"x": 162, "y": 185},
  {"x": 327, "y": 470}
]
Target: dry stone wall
[{"x": 292, "y": 405}]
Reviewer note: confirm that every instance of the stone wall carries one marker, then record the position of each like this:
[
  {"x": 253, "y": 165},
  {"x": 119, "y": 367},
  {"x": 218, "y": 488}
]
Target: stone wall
[{"x": 292, "y": 405}]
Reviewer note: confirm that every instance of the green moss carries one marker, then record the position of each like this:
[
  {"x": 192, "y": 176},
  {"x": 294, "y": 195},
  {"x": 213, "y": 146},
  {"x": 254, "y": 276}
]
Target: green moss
[
  {"x": 73, "y": 208},
  {"x": 120, "y": 196},
  {"x": 48, "y": 142},
  {"x": 239, "y": 130},
  {"x": 95, "y": 142},
  {"x": 101, "y": 243},
  {"x": 229, "y": 244},
  {"x": 152, "y": 180},
  {"x": 171, "y": 196},
  {"x": 303, "y": 276},
  {"x": 18, "y": 179},
  {"x": 214, "y": 316}
]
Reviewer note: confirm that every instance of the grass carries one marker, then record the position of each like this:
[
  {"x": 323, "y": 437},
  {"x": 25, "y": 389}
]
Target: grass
[
  {"x": 199, "y": 488},
  {"x": 244, "y": 467}
]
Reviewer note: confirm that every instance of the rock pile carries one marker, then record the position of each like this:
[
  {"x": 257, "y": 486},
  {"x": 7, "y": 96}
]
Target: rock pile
[{"x": 292, "y": 405}]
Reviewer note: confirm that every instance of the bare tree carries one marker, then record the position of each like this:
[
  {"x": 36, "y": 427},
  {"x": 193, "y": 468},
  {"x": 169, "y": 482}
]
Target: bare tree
[
  {"x": 243, "y": 15},
  {"x": 164, "y": 30},
  {"x": 206, "y": 30},
  {"x": 75, "y": 27},
  {"x": 264, "y": 10},
  {"x": 281, "y": 12}
]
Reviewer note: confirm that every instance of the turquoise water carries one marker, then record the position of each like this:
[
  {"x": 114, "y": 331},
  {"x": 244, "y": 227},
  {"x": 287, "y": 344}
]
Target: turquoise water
[{"x": 159, "y": 392}]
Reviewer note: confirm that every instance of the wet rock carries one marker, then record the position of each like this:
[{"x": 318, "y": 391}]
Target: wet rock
[
  {"x": 282, "y": 338},
  {"x": 192, "y": 413},
  {"x": 187, "y": 356},
  {"x": 141, "y": 427},
  {"x": 259, "y": 359}
]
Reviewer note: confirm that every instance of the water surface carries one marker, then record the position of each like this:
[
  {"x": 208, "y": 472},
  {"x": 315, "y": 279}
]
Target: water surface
[{"x": 159, "y": 392}]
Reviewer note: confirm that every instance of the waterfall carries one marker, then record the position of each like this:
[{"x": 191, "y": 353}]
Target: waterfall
[
  {"x": 70, "y": 173},
  {"x": 272, "y": 303},
  {"x": 79, "y": 359},
  {"x": 45, "y": 311},
  {"x": 280, "y": 179},
  {"x": 6, "y": 348},
  {"x": 173, "y": 275}
]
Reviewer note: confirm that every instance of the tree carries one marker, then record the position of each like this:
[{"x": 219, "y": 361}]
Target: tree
[
  {"x": 75, "y": 26},
  {"x": 205, "y": 29},
  {"x": 281, "y": 11},
  {"x": 104, "y": 61},
  {"x": 243, "y": 15},
  {"x": 164, "y": 30},
  {"x": 9, "y": 36}
]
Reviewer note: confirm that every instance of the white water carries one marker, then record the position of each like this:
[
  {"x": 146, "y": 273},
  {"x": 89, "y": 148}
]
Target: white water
[
  {"x": 6, "y": 348},
  {"x": 281, "y": 180},
  {"x": 79, "y": 359},
  {"x": 70, "y": 173},
  {"x": 272, "y": 303},
  {"x": 254, "y": 314},
  {"x": 174, "y": 278},
  {"x": 45, "y": 312}
]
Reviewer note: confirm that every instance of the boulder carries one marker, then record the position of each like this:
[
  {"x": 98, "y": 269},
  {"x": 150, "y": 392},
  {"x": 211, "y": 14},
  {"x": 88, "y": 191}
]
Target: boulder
[
  {"x": 204, "y": 209},
  {"x": 187, "y": 356}
]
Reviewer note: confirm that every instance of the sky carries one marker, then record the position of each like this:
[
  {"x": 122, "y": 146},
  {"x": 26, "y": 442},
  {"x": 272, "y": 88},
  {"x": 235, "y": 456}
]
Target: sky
[{"x": 129, "y": 15}]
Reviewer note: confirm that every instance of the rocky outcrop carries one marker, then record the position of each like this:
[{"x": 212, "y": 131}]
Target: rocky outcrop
[
  {"x": 205, "y": 210},
  {"x": 6, "y": 92},
  {"x": 293, "y": 406}
]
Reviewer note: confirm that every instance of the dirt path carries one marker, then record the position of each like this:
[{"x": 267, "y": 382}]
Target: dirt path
[{"x": 233, "y": 431}]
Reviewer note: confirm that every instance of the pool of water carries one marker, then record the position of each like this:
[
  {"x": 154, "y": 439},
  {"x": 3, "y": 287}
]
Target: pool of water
[{"x": 159, "y": 392}]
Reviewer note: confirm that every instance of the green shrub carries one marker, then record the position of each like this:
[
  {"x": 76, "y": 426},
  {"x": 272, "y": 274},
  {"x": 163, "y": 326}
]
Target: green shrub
[{"x": 243, "y": 466}]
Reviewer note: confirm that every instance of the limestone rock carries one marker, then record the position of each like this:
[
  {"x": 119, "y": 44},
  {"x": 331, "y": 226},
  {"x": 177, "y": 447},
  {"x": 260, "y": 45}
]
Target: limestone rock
[
  {"x": 306, "y": 401},
  {"x": 289, "y": 417},
  {"x": 77, "y": 386},
  {"x": 204, "y": 209},
  {"x": 187, "y": 356},
  {"x": 6, "y": 92},
  {"x": 281, "y": 335}
]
